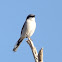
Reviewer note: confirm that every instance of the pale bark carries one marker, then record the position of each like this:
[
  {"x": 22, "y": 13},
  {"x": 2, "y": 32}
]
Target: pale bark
[
  {"x": 34, "y": 51},
  {"x": 40, "y": 55},
  {"x": 37, "y": 57}
]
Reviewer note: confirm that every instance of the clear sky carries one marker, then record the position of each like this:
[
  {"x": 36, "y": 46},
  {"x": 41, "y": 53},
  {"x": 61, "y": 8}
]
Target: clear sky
[{"x": 48, "y": 33}]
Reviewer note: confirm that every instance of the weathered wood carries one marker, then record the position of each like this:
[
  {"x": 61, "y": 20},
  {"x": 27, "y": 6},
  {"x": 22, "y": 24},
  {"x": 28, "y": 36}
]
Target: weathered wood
[
  {"x": 34, "y": 51},
  {"x": 40, "y": 55},
  {"x": 37, "y": 56}
]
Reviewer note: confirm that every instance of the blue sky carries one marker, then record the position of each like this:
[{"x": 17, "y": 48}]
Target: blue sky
[{"x": 48, "y": 33}]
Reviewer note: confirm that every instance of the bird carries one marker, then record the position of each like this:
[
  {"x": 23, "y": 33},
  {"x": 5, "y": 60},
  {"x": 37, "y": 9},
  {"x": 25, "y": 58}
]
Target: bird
[{"x": 27, "y": 30}]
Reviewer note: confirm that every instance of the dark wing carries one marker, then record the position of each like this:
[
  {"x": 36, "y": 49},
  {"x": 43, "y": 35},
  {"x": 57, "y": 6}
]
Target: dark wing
[{"x": 23, "y": 27}]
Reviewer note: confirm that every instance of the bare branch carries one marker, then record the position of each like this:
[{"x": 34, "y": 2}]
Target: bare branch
[
  {"x": 40, "y": 55},
  {"x": 34, "y": 51}
]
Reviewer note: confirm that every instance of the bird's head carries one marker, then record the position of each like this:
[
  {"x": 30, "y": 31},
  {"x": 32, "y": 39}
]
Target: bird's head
[{"x": 30, "y": 16}]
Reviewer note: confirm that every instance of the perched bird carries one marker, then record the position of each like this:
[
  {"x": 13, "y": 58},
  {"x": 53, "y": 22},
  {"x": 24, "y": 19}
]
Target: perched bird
[{"x": 27, "y": 30}]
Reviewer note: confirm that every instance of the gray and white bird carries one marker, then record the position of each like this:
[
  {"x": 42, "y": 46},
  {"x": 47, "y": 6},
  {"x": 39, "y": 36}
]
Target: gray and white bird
[{"x": 27, "y": 30}]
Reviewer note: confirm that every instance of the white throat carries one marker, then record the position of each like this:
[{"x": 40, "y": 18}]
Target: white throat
[{"x": 32, "y": 19}]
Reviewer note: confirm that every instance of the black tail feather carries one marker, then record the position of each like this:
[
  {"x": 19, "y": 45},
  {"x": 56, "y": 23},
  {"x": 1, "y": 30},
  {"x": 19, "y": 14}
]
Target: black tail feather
[{"x": 17, "y": 44}]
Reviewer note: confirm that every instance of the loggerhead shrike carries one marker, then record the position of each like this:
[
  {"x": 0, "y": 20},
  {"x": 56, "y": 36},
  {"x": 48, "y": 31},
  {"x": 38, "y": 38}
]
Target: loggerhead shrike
[{"x": 27, "y": 29}]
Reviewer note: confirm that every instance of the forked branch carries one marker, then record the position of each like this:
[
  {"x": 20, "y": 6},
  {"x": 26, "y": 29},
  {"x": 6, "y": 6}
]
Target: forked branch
[{"x": 37, "y": 57}]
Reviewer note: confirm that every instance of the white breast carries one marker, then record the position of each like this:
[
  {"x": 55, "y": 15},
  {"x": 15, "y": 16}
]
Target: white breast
[{"x": 29, "y": 27}]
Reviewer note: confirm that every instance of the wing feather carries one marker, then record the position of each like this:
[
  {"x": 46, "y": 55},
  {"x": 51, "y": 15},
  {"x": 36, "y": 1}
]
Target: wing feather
[{"x": 23, "y": 27}]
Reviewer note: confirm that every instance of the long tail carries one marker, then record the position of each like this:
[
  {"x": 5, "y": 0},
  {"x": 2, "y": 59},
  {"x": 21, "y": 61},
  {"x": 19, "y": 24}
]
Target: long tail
[{"x": 17, "y": 44}]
